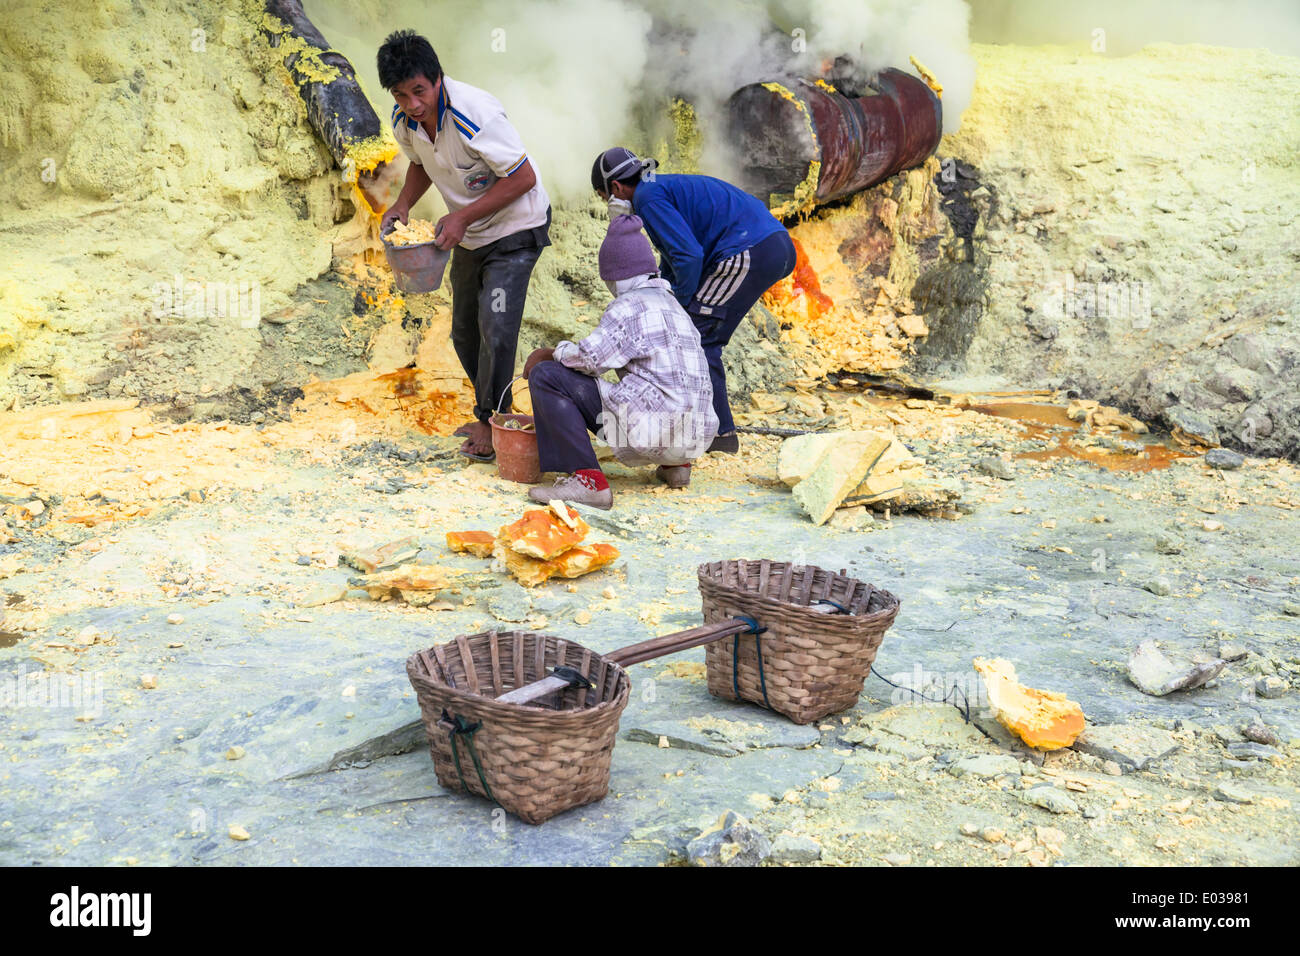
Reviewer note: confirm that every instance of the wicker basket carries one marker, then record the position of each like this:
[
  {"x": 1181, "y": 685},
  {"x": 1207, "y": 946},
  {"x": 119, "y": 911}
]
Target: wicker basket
[
  {"x": 536, "y": 760},
  {"x": 811, "y": 663}
]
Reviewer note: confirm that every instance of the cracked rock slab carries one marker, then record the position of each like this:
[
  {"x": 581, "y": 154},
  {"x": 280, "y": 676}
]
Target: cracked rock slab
[
  {"x": 1132, "y": 746},
  {"x": 985, "y": 765},
  {"x": 1158, "y": 673},
  {"x": 722, "y": 737}
]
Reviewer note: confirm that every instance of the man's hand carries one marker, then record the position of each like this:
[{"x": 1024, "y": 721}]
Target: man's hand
[
  {"x": 536, "y": 358},
  {"x": 395, "y": 212},
  {"x": 450, "y": 230}
]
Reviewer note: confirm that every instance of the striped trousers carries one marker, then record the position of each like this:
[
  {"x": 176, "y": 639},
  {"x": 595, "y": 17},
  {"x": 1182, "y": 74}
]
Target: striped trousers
[{"x": 725, "y": 297}]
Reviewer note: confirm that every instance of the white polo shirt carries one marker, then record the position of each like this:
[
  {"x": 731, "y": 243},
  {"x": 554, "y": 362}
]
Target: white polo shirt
[{"x": 476, "y": 145}]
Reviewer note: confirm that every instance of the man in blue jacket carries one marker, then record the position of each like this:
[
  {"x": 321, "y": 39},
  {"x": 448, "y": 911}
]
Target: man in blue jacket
[{"x": 719, "y": 247}]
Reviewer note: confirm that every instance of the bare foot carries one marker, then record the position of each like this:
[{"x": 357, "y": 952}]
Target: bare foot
[
  {"x": 479, "y": 440},
  {"x": 465, "y": 429}
]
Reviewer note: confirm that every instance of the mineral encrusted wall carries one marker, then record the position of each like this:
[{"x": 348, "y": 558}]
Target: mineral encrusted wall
[
  {"x": 1139, "y": 235},
  {"x": 1120, "y": 225}
]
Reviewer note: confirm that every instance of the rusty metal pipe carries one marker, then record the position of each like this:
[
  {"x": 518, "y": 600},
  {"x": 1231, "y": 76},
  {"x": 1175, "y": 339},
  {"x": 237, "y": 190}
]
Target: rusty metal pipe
[{"x": 802, "y": 143}]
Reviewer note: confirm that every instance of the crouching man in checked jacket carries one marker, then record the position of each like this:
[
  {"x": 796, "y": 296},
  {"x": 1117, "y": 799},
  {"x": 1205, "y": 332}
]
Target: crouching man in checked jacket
[{"x": 659, "y": 412}]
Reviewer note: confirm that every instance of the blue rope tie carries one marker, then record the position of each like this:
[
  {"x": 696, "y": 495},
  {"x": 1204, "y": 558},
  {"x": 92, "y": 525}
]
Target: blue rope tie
[{"x": 756, "y": 630}]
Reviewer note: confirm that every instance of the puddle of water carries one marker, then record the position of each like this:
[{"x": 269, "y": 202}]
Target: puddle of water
[
  {"x": 1154, "y": 457},
  {"x": 1042, "y": 422},
  {"x": 1045, "y": 421},
  {"x": 1053, "y": 415}
]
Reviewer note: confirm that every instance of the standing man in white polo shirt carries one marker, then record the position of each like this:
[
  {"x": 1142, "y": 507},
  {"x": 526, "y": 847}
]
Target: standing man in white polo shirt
[{"x": 457, "y": 138}]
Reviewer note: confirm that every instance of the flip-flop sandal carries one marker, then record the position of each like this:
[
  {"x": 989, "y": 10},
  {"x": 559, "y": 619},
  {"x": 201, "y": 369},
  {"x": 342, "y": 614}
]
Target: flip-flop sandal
[{"x": 490, "y": 457}]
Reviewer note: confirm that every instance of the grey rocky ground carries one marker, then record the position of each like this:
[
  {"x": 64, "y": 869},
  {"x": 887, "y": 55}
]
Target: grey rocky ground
[{"x": 1048, "y": 570}]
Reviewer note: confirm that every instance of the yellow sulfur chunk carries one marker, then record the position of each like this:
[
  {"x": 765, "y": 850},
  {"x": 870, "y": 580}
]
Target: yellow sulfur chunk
[
  {"x": 411, "y": 233},
  {"x": 1041, "y": 718}
]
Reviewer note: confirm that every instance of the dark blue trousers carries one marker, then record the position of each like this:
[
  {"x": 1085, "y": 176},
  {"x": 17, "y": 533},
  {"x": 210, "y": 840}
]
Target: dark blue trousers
[
  {"x": 566, "y": 406},
  {"x": 770, "y": 261}
]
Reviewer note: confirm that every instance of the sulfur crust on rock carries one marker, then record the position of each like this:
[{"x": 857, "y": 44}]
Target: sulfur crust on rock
[
  {"x": 1042, "y": 719},
  {"x": 540, "y": 534},
  {"x": 246, "y": 195},
  {"x": 477, "y": 543}
]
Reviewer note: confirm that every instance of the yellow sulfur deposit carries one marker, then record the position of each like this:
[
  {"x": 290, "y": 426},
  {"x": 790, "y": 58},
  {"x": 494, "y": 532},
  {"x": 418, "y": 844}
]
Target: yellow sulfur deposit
[
  {"x": 573, "y": 563},
  {"x": 1040, "y": 718},
  {"x": 929, "y": 77},
  {"x": 309, "y": 65},
  {"x": 802, "y": 201},
  {"x": 161, "y": 234},
  {"x": 804, "y": 198},
  {"x": 411, "y": 233},
  {"x": 847, "y": 297},
  {"x": 681, "y": 148},
  {"x": 370, "y": 153},
  {"x": 477, "y": 543},
  {"x": 540, "y": 534}
]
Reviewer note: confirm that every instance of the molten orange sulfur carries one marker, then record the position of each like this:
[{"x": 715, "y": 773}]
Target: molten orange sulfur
[{"x": 803, "y": 282}]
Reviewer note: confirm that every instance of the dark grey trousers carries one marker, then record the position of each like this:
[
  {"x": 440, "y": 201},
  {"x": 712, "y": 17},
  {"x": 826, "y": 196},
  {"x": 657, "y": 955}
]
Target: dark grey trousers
[{"x": 488, "y": 287}]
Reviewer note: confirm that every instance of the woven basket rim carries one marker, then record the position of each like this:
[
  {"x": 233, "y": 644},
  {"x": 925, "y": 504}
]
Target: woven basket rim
[
  {"x": 424, "y": 682},
  {"x": 830, "y": 620}
]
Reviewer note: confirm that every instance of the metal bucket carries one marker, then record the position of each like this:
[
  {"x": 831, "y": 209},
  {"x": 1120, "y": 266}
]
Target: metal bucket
[
  {"x": 416, "y": 268},
  {"x": 516, "y": 448}
]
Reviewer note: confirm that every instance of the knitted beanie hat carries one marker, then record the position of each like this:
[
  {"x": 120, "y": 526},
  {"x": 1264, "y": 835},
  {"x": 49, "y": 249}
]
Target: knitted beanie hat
[{"x": 626, "y": 252}]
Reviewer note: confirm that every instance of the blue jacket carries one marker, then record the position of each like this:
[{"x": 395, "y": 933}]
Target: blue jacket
[{"x": 697, "y": 221}]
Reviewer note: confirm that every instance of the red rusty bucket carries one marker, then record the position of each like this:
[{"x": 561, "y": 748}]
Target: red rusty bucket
[{"x": 516, "y": 448}]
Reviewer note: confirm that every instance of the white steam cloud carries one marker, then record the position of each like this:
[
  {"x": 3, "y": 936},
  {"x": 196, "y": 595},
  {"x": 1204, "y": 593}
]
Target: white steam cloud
[{"x": 576, "y": 76}]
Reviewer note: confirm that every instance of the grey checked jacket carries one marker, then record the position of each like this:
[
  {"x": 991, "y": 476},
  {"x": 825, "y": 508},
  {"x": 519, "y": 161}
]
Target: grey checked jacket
[{"x": 661, "y": 409}]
